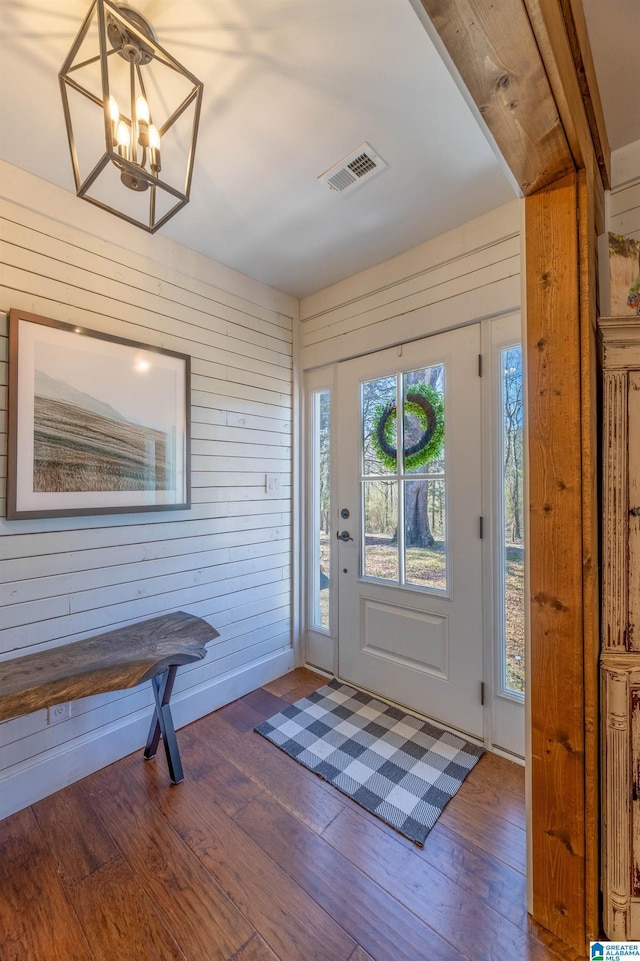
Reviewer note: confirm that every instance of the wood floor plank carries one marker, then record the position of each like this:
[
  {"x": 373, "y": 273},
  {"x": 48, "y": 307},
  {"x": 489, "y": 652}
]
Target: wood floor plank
[
  {"x": 36, "y": 919},
  {"x": 265, "y": 703},
  {"x": 78, "y": 840},
  {"x": 360, "y": 955},
  {"x": 281, "y": 685},
  {"x": 462, "y": 918},
  {"x": 491, "y": 833},
  {"x": 299, "y": 680},
  {"x": 119, "y": 919},
  {"x": 289, "y": 921},
  {"x": 489, "y": 881},
  {"x": 487, "y": 795},
  {"x": 231, "y": 787},
  {"x": 202, "y": 919},
  {"x": 481, "y": 874},
  {"x": 304, "y": 687},
  {"x": 376, "y": 921},
  {"x": 497, "y": 770},
  {"x": 241, "y": 716},
  {"x": 254, "y": 950},
  {"x": 301, "y": 791}
]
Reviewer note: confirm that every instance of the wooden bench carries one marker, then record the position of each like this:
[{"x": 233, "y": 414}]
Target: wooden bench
[{"x": 150, "y": 650}]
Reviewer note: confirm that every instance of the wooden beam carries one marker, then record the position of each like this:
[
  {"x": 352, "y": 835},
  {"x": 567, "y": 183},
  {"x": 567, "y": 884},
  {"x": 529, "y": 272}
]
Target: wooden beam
[
  {"x": 494, "y": 49},
  {"x": 556, "y": 561},
  {"x": 561, "y": 36}
]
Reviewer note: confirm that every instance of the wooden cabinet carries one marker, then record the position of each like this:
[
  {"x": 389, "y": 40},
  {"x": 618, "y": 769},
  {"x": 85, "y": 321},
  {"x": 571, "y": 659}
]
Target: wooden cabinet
[{"x": 620, "y": 652}]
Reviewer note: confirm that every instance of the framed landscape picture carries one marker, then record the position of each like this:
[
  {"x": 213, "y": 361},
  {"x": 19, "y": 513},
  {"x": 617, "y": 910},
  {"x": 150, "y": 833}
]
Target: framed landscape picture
[{"x": 97, "y": 424}]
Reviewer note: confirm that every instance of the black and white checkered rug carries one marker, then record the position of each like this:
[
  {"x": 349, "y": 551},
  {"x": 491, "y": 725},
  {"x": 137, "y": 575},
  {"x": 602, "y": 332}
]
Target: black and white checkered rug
[{"x": 400, "y": 768}]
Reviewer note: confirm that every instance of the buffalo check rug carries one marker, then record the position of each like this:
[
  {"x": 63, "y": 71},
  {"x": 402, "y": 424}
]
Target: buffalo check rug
[{"x": 399, "y": 767}]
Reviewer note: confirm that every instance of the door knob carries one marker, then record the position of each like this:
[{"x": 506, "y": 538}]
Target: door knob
[{"x": 344, "y": 536}]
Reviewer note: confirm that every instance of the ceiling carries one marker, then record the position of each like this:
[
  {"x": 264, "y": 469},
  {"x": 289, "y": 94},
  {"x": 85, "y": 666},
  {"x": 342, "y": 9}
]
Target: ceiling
[
  {"x": 291, "y": 87},
  {"x": 614, "y": 34}
]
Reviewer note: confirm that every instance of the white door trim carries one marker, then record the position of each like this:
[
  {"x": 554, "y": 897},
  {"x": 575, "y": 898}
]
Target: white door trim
[{"x": 504, "y": 721}]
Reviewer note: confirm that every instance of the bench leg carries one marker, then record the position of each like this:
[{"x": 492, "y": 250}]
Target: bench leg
[{"x": 162, "y": 724}]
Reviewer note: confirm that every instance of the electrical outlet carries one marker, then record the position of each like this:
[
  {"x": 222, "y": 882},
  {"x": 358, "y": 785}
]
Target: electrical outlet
[
  {"x": 272, "y": 484},
  {"x": 58, "y": 712}
]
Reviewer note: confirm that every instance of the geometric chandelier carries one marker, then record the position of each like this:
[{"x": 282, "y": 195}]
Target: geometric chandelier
[{"x": 132, "y": 114}]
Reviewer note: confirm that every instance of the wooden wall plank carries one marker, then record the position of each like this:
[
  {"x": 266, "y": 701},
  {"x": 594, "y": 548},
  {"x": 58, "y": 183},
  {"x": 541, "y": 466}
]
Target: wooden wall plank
[
  {"x": 624, "y": 199},
  {"x": 469, "y": 277},
  {"x": 556, "y": 561},
  {"x": 138, "y": 300},
  {"x": 500, "y": 296},
  {"x": 464, "y": 269}
]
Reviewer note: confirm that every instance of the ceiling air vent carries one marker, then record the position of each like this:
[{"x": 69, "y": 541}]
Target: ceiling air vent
[{"x": 361, "y": 164}]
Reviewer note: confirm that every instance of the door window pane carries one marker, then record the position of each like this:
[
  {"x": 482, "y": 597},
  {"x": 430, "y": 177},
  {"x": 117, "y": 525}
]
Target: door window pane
[
  {"x": 512, "y": 532},
  {"x": 404, "y": 541},
  {"x": 321, "y": 508},
  {"x": 425, "y": 542},
  {"x": 380, "y": 542},
  {"x": 423, "y": 424},
  {"x": 379, "y": 430}
]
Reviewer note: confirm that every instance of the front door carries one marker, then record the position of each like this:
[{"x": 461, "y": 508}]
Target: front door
[{"x": 409, "y": 540}]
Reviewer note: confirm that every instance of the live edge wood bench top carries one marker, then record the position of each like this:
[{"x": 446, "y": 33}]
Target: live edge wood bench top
[{"x": 112, "y": 661}]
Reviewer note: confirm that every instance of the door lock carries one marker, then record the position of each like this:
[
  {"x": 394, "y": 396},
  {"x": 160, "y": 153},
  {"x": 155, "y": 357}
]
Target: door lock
[
  {"x": 344, "y": 536},
  {"x": 344, "y": 513}
]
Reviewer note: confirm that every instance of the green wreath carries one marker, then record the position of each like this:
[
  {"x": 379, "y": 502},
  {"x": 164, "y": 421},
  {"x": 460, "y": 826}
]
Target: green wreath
[{"x": 428, "y": 405}]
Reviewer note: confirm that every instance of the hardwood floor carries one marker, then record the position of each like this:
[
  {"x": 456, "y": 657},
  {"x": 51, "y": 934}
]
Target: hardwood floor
[{"x": 254, "y": 858}]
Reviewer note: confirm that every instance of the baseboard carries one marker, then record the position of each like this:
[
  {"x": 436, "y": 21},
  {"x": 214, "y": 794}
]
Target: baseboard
[{"x": 37, "y": 778}]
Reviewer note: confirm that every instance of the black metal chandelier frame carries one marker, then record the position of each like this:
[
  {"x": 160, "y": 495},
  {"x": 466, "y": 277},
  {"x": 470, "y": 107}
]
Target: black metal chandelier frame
[{"x": 124, "y": 32}]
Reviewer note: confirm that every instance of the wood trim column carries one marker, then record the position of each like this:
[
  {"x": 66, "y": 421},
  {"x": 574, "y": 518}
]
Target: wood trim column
[
  {"x": 590, "y": 198},
  {"x": 556, "y": 560}
]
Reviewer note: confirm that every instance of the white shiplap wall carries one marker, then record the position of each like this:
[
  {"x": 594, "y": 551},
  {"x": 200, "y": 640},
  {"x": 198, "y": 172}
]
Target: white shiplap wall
[
  {"x": 227, "y": 560},
  {"x": 463, "y": 276},
  {"x": 624, "y": 202},
  {"x": 467, "y": 275}
]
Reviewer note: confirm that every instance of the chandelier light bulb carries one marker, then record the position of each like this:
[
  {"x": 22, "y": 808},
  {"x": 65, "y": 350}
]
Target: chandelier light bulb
[
  {"x": 114, "y": 111},
  {"x": 123, "y": 137},
  {"x": 142, "y": 109},
  {"x": 142, "y": 117},
  {"x": 114, "y": 114},
  {"x": 154, "y": 144}
]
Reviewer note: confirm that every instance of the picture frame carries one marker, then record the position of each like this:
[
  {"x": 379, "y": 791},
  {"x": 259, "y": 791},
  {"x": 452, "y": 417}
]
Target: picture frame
[{"x": 97, "y": 424}]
